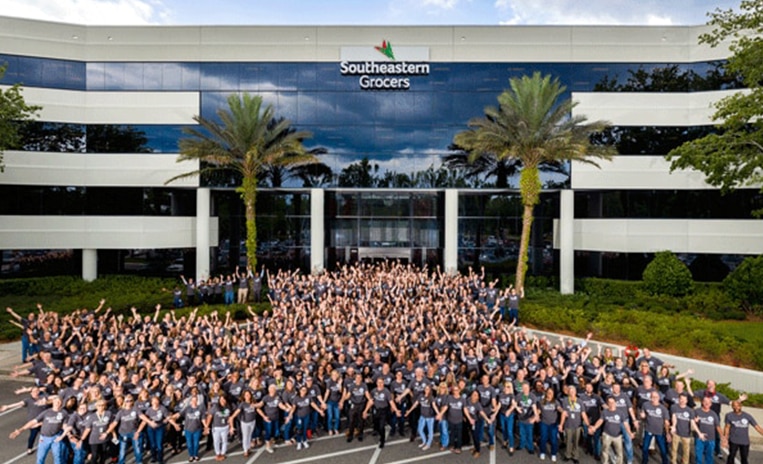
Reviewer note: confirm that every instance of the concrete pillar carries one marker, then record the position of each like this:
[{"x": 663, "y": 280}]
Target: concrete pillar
[
  {"x": 450, "y": 253},
  {"x": 567, "y": 242},
  {"x": 203, "y": 199},
  {"x": 89, "y": 264},
  {"x": 317, "y": 230}
]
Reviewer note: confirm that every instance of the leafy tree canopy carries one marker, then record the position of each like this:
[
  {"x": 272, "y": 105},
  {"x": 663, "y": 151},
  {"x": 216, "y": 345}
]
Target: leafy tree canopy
[
  {"x": 733, "y": 158},
  {"x": 13, "y": 110}
]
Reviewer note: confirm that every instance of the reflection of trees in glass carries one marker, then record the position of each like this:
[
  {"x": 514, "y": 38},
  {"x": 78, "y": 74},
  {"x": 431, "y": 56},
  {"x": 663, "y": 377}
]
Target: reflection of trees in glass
[
  {"x": 648, "y": 140},
  {"x": 671, "y": 78},
  {"x": 361, "y": 174},
  {"x": 486, "y": 165},
  {"x": 443, "y": 177},
  {"x": 109, "y": 138},
  {"x": 660, "y": 140},
  {"x": 364, "y": 174},
  {"x": 52, "y": 137},
  {"x": 77, "y": 138},
  {"x": 314, "y": 175}
]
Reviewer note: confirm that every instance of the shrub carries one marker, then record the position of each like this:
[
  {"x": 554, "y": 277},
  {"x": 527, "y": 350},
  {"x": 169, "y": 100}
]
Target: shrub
[
  {"x": 744, "y": 284},
  {"x": 713, "y": 303},
  {"x": 667, "y": 275},
  {"x": 618, "y": 290}
]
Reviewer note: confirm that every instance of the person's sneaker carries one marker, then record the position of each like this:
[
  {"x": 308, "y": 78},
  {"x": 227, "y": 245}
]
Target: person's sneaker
[
  {"x": 425, "y": 447},
  {"x": 421, "y": 445},
  {"x": 476, "y": 454},
  {"x": 299, "y": 446},
  {"x": 360, "y": 437},
  {"x": 542, "y": 456},
  {"x": 553, "y": 458},
  {"x": 269, "y": 449},
  {"x": 306, "y": 445}
]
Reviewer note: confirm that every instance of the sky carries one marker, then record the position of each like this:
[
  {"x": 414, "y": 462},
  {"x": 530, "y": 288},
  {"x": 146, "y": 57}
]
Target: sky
[{"x": 367, "y": 12}]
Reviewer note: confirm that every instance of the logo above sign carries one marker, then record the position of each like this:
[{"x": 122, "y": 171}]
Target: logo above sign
[{"x": 392, "y": 74}]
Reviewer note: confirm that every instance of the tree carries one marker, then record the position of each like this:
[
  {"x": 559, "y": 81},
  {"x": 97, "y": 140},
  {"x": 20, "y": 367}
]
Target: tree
[
  {"x": 13, "y": 110},
  {"x": 360, "y": 174},
  {"x": 667, "y": 275},
  {"x": 531, "y": 125},
  {"x": 733, "y": 157},
  {"x": 743, "y": 284},
  {"x": 248, "y": 140}
]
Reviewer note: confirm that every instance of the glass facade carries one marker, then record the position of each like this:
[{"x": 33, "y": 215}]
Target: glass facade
[
  {"x": 403, "y": 136},
  {"x": 384, "y": 165},
  {"x": 489, "y": 228},
  {"x": 40, "y": 200},
  {"x": 368, "y": 225}
]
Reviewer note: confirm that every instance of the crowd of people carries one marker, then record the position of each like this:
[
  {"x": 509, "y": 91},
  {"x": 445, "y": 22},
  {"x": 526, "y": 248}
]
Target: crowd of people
[{"x": 411, "y": 351}]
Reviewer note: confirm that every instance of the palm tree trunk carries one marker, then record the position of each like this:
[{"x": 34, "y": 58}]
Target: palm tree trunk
[
  {"x": 529, "y": 188},
  {"x": 249, "y": 195}
]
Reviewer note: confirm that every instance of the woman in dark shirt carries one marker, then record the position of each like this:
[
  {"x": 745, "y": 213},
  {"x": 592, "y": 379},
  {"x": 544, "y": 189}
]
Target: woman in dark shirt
[{"x": 156, "y": 417}]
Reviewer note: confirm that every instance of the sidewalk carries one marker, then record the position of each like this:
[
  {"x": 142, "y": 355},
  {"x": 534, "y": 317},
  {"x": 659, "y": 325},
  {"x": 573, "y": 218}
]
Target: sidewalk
[{"x": 10, "y": 356}]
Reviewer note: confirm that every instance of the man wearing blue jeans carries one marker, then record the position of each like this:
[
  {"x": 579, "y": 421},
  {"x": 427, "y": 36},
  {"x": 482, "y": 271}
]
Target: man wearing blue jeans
[
  {"x": 656, "y": 425},
  {"x": 53, "y": 426},
  {"x": 527, "y": 413},
  {"x": 625, "y": 409},
  {"x": 128, "y": 424},
  {"x": 709, "y": 427}
]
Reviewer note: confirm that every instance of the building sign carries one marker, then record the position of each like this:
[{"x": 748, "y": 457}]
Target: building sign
[{"x": 394, "y": 72}]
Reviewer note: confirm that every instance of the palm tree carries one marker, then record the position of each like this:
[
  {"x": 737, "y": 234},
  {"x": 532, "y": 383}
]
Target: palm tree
[
  {"x": 532, "y": 126},
  {"x": 249, "y": 140}
]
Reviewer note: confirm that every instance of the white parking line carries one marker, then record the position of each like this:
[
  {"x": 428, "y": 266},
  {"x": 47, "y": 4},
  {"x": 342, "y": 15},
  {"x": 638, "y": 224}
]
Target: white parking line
[
  {"x": 375, "y": 457},
  {"x": 331, "y": 455},
  {"x": 8, "y": 411},
  {"x": 428, "y": 456},
  {"x": 256, "y": 455},
  {"x": 22, "y": 455}
]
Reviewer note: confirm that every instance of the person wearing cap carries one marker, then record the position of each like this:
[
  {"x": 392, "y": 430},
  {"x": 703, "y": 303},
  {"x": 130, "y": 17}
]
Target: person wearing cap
[
  {"x": 736, "y": 433},
  {"x": 128, "y": 426},
  {"x": 53, "y": 426}
]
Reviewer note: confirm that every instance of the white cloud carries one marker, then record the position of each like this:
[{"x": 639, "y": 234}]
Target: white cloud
[
  {"x": 89, "y": 12},
  {"x": 594, "y": 12},
  {"x": 444, "y": 4}
]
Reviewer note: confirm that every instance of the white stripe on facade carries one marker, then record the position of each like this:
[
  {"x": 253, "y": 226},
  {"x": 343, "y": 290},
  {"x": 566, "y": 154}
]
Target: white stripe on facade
[
  {"x": 73, "y": 106},
  {"x": 94, "y": 170},
  {"x": 100, "y": 232}
]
